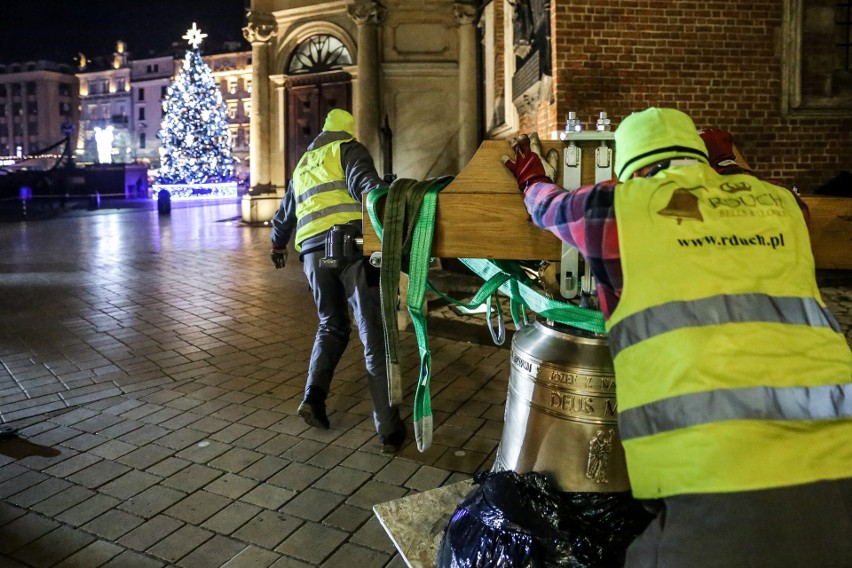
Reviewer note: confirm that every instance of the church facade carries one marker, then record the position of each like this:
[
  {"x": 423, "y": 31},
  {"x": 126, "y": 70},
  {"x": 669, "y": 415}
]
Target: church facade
[{"x": 427, "y": 80}]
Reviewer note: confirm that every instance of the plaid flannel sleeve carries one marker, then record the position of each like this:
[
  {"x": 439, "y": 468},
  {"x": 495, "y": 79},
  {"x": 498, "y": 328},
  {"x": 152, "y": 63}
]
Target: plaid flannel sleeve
[{"x": 585, "y": 219}]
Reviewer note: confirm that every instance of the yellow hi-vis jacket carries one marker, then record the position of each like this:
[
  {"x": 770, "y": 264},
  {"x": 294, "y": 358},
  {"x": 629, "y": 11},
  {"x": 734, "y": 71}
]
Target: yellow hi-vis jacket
[
  {"x": 732, "y": 375},
  {"x": 320, "y": 191}
]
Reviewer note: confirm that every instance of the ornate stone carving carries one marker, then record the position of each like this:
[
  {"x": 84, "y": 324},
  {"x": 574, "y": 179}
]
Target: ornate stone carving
[
  {"x": 260, "y": 28},
  {"x": 464, "y": 13},
  {"x": 367, "y": 12}
]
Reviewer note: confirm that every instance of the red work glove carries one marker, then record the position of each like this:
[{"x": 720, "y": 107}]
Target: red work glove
[
  {"x": 720, "y": 147},
  {"x": 529, "y": 166}
]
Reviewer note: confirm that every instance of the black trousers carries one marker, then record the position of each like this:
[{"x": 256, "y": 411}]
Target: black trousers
[{"x": 804, "y": 526}]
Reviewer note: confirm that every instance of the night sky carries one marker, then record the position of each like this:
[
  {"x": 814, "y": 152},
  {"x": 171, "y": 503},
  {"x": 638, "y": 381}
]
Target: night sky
[{"x": 58, "y": 30}]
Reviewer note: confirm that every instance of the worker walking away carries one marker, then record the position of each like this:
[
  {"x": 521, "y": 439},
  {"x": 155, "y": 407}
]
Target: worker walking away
[
  {"x": 733, "y": 378},
  {"x": 326, "y": 190}
]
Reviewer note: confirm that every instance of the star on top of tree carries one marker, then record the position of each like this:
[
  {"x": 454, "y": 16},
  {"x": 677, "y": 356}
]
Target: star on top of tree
[{"x": 194, "y": 36}]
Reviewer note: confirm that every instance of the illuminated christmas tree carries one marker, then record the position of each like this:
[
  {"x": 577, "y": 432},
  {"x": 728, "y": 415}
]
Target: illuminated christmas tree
[{"x": 196, "y": 146}]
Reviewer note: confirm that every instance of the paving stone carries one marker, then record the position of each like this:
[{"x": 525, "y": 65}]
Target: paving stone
[
  {"x": 268, "y": 496},
  {"x": 197, "y": 507},
  {"x": 204, "y": 451},
  {"x": 312, "y": 504},
  {"x": 97, "y": 474},
  {"x": 180, "y": 543},
  {"x": 19, "y": 483},
  {"x": 397, "y": 472},
  {"x": 113, "y": 449},
  {"x": 192, "y": 478},
  {"x": 131, "y": 483},
  {"x": 427, "y": 477},
  {"x": 342, "y": 480},
  {"x": 95, "y": 554},
  {"x": 350, "y": 555},
  {"x": 312, "y": 543},
  {"x": 130, "y": 558},
  {"x": 231, "y": 517},
  {"x": 151, "y": 532},
  {"x": 278, "y": 445},
  {"x": 288, "y": 562},
  {"x": 72, "y": 465},
  {"x": 231, "y": 486},
  {"x": 152, "y": 501},
  {"x": 23, "y": 530},
  {"x": 373, "y": 535},
  {"x": 235, "y": 460},
  {"x": 214, "y": 552},
  {"x": 252, "y": 557},
  {"x": 265, "y": 468},
  {"x": 268, "y": 529},
  {"x": 373, "y": 493},
  {"x": 63, "y": 501},
  {"x": 9, "y": 513},
  {"x": 84, "y": 512},
  {"x": 366, "y": 462},
  {"x": 296, "y": 476},
  {"x": 113, "y": 524},
  {"x": 53, "y": 547},
  {"x": 347, "y": 518},
  {"x": 168, "y": 467},
  {"x": 144, "y": 435},
  {"x": 37, "y": 493}
]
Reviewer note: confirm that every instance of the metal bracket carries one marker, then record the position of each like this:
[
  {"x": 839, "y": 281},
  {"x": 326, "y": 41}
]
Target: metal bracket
[
  {"x": 569, "y": 271},
  {"x": 572, "y": 174},
  {"x": 603, "y": 162}
]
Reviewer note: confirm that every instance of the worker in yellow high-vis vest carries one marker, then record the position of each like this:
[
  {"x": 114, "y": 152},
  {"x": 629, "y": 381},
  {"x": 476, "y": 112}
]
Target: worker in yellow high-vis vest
[
  {"x": 326, "y": 190},
  {"x": 734, "y": 380}
]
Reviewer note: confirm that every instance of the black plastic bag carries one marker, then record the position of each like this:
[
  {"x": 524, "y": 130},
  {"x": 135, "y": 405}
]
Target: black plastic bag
[{"x": 516, "y": 520}]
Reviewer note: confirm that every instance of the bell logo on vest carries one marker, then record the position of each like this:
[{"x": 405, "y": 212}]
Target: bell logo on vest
[{"x": 682, "y": 205}]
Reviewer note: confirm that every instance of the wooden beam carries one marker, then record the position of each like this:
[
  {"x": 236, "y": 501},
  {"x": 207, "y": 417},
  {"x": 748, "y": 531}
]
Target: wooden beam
[{"x": 481, "y": 214}]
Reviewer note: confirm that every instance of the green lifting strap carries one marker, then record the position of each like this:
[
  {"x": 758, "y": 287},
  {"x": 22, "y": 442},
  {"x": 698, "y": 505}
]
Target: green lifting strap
[
  {"x": 407, "y": 197},
  {"x": 410, "y": 205}
]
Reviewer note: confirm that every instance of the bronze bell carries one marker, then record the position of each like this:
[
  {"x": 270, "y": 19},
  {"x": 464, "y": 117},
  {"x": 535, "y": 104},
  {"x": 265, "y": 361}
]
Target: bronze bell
[{"x": 682, "y": 205}]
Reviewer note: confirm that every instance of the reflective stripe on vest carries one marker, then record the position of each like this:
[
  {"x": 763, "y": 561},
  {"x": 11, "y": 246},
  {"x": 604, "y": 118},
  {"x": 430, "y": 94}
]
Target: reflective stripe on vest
[
  {"x": 321, "y": 194},
  {"x": 757, "y": 403},
  {"x": 732, "y": 375},
  {"x": 718, "y": 310}
]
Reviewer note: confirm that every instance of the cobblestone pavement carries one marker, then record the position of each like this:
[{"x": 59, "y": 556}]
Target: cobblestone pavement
[{"x": 153, "y": 365}]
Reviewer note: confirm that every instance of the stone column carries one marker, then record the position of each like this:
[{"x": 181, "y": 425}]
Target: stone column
[
  {"x": 368, "y": 15},
  {"x": 259, "y": 30},
  {"x": 468, "y": 113}
]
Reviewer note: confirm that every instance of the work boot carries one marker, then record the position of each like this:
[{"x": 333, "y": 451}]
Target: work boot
[
  {"x": 392, "y": 443},
  {"x": 313, "y": 413}
]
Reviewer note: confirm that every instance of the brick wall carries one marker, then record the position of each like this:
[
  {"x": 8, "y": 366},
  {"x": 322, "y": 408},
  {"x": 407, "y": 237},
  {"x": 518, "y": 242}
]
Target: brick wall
[{"x": 717, "y": 60}]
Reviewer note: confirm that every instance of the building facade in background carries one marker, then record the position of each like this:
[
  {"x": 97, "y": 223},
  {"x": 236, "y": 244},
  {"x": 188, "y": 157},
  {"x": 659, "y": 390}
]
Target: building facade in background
[
  {"x": 233, "y": 73},
  {"x": 38, "y": 107},
  {"x": 777, "y": 73},
  {"x": 106, "y": 104},
  {"x": 126, "y": 95},
  {"x": 149, "y": 81}
]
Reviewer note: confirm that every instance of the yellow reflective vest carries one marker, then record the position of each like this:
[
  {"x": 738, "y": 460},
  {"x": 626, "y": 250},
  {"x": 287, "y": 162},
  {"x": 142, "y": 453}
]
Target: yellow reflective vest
[
  {"x": 732, "y": 375},
  {"x": 320, "y": 191}
]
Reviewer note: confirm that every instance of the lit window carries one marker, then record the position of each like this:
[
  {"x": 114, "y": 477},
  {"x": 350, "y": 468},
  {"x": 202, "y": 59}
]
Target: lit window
[
  {"x": 232, "y": 85},
  {"x": 319, "y": 53},
  {"x": 248, "y": 85},
  {"x": 818, "y": 58}
]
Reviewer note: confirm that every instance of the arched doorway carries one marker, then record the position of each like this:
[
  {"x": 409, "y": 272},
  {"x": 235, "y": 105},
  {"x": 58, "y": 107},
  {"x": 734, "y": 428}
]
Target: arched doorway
[{"x": 316, "y": 84}]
